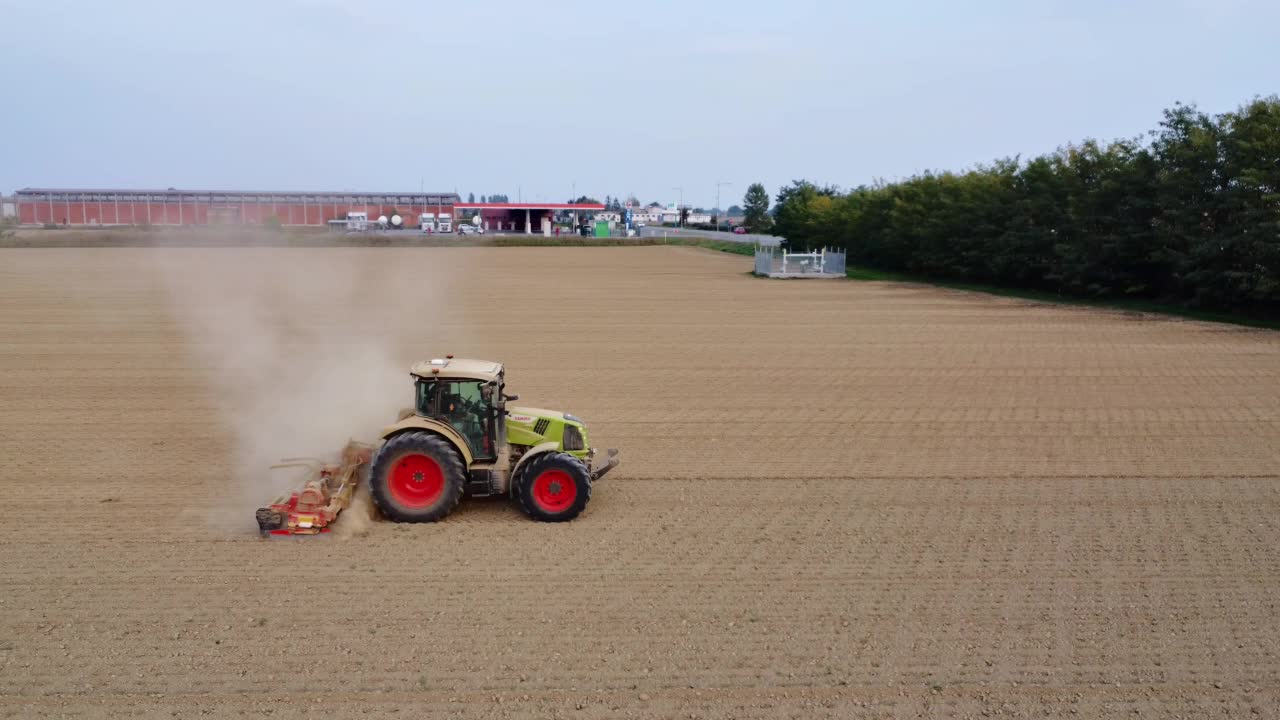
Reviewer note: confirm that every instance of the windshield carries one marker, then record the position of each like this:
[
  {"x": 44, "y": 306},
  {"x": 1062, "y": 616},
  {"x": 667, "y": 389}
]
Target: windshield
[{"x": 461, "y": 404}]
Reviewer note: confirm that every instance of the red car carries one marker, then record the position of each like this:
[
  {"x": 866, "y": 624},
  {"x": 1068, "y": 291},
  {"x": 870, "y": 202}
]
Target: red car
[{"x": 739, "y": 230}]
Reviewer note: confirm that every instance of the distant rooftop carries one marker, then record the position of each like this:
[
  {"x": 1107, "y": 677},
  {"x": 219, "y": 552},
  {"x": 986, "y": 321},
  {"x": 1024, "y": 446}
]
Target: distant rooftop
[
  {"x": 185, "y": 191},
  {"x": 528, "y": 206}
]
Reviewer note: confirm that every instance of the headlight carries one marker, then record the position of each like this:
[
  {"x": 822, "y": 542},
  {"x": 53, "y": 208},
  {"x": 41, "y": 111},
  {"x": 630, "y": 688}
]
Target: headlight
[
  {"x": 573, "y": 418},
  {"x": 573, "y": 438}
]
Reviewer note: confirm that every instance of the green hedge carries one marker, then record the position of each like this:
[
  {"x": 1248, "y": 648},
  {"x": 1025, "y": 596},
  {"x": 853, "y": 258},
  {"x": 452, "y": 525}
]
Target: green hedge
[{"x": 1188, "y": 215}]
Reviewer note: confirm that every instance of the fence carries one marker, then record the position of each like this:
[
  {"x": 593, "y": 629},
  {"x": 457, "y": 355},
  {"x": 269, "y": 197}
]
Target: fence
[
  {"x": 764, "y": 260},
  {"x": 650, "y": 231},
  {"x": 770, "y": 260}
]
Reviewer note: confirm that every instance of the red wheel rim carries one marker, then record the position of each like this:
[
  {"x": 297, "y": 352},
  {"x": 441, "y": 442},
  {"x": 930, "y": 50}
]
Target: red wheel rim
[
  {"x": 555, "y": 491},
  {"x": 416, "y": 481}
]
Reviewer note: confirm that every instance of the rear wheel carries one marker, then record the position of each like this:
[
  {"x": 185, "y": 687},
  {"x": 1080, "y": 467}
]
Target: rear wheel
[
  {"x": 416, "y": 477},
  {"x": 553, "y": 487}
]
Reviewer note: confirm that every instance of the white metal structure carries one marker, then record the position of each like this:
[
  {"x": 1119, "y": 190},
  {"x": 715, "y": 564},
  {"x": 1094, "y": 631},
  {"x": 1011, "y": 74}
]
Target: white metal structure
[
  {"x": 358, "y": 221},
  {"x": 820, "y": 264}
]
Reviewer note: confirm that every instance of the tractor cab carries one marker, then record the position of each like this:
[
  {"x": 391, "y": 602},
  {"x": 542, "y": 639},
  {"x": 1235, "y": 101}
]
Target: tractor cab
[{"x": 467, "y": 396}]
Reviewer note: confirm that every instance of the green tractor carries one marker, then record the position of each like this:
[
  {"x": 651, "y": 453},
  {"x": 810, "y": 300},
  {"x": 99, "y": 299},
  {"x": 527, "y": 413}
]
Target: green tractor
[{"x": 461, "y": 438}]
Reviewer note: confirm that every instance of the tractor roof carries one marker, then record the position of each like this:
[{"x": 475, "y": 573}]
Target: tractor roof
[{"x": 457, "y": 368}]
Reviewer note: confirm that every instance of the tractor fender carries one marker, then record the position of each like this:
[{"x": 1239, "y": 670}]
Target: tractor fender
[
  {"x": 536, "y": 450},
  {"x": 417, "y": 422}
]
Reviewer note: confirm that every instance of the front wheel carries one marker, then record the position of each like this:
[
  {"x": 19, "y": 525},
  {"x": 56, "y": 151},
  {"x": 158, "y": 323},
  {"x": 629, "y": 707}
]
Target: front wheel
[{"x": 553, "y": 487}]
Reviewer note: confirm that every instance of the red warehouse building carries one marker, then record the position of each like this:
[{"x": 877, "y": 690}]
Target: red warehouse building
[{"x": 36, "y": 206}]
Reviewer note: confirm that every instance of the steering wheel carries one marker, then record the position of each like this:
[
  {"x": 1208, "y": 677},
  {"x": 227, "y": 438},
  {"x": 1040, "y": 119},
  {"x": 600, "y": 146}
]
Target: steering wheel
[{"x": 469, "y": 406}]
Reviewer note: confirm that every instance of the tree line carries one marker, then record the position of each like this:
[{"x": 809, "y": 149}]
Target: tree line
[{"x": 1187, "y": 214}]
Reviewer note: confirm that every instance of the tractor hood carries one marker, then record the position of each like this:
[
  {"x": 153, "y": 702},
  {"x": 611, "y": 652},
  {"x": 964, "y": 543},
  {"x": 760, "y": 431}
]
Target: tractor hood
[
  {"x": 535, "y": 426},
  {"x": 528, "y": 415}
]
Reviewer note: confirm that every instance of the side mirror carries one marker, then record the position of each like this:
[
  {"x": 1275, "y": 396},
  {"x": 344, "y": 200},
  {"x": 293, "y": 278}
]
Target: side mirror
[
  {"x": 486, "y": 393},
  {"x": 510, "y": 398}
]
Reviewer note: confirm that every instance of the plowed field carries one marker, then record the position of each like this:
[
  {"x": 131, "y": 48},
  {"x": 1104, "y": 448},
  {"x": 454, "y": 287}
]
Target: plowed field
[{"x": 836, "y": 499}]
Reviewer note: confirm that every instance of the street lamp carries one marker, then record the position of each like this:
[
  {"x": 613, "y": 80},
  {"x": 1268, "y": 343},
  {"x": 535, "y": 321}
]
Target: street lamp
[{"x": 719, "y": 210}]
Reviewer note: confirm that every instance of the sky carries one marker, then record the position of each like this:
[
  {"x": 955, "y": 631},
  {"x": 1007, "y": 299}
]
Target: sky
[{"x": 544, "y": 101}]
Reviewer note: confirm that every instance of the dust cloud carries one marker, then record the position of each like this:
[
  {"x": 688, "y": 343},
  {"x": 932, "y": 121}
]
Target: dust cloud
[
  {"x": 357, "y": 519},
  {"x": 301, "y": 350}
]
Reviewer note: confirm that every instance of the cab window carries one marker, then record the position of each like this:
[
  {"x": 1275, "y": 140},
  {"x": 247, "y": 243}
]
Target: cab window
[
  {"x": 463, "y": 405},
  {"x": 426, "y": 404}
]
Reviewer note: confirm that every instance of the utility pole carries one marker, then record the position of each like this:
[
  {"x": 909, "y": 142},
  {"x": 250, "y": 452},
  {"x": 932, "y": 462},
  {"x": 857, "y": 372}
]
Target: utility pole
[
  {"x": 719, "y": 210},
  {"x": 679, "y": 205}
]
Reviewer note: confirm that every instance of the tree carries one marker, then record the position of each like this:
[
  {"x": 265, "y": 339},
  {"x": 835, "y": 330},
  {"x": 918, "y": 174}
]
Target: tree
[
  {"x": 755, "y": 209},
  {"x": 684, "y": 216},
  {"x": 471, "y": 197},
  {"x": 1185, "y": 215},
  {"x": 1249, "y": 251},
  {"x": 796, "y": 214},
  {"x": 736, "y": 210},
  {"x": 633, "y": 201},
  {"x": 585, "y": 200}
]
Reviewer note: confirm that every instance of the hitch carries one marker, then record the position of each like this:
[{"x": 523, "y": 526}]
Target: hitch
[{"x": 610, "y": 463}]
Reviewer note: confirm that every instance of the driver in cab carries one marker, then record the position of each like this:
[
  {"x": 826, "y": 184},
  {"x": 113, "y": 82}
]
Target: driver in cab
[{"x": 468, "y": 418}]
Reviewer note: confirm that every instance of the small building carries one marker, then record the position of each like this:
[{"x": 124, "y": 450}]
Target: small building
[{"x": 523, "y": 218}]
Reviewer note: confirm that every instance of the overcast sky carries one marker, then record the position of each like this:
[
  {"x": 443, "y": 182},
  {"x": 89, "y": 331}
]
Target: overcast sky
[{"x": 544, "y": 98}]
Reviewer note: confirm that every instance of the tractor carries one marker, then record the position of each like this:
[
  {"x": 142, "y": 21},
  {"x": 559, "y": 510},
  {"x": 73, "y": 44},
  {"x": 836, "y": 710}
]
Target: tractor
[{"x": 461, "y": 438}]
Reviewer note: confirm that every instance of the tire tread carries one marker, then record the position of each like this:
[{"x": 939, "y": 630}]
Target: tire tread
[
  {"x": 534, "y": 468},
  {"x": 428, "y": 444}
]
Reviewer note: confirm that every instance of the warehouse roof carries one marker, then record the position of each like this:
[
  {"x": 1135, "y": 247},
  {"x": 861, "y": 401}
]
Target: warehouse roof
[{"x": 176, "y": 191}]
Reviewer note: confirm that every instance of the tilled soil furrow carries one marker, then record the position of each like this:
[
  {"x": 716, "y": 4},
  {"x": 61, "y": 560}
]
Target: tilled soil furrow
[{"x": 836, "y": 499}]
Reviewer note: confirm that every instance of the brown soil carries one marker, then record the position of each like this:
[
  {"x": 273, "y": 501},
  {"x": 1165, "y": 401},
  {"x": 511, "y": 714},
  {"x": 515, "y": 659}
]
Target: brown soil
[{"x": 837, "y": 499}]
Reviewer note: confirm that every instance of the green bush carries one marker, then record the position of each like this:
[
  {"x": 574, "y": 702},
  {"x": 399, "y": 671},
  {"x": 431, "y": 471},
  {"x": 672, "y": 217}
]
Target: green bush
[{"x": 1188, "y": 216}]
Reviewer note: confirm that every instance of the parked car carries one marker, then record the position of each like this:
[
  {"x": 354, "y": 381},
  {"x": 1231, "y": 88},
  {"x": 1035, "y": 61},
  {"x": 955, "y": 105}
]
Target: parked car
[
  {"x": 469, "y": 229},
  {"x": 739, "y": 230}
]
